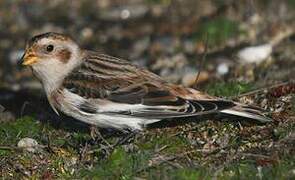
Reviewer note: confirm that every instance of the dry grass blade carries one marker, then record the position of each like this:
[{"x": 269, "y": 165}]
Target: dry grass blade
[
  {"x": 202, "y": 61},
  {"x": 159, "y": 159},
  {"x": 250, "y": 93}
]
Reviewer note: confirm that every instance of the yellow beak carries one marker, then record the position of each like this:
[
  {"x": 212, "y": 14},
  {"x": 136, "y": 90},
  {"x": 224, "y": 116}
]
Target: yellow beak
[{"x": 29, "y": 58}]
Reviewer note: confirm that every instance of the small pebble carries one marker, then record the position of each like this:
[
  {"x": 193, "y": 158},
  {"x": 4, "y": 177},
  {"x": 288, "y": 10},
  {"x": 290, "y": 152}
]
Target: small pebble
[
  {"x": 189, "y": 79},
  {"x": 87, "y": 33},
  {"x": 124, "y": 12},
  {"x": 222, "y": 69},
  {"x": 29, "y": 144},
  {"x": 255, "y": 54}
]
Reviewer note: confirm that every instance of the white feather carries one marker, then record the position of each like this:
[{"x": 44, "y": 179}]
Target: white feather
[
  {"x": 70, "y": 106},
  {"x": 246, "y": 115}
]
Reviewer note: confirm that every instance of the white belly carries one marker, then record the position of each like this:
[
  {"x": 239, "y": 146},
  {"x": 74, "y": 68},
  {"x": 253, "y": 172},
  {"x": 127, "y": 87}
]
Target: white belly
[{"x": 70, "y": 106}]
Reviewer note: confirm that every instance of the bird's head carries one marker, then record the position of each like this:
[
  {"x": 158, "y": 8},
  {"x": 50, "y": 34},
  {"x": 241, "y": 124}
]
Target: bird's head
[
  {"x": 51, "y": 56},
  {"x": 49, "y": 48}
]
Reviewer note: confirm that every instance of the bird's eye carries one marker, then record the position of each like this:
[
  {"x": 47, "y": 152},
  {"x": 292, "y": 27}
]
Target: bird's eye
[{"x": 49, "y": 48}]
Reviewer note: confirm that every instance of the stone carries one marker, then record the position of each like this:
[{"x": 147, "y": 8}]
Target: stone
[{"x": 28, "y": 144}]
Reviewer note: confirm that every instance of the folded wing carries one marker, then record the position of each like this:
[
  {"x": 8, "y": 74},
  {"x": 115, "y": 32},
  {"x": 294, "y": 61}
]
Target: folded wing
[{"x": 115, "y": 87}]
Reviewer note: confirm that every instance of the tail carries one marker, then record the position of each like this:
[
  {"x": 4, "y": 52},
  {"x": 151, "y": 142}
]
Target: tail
[{"x": 248, "y": 112}]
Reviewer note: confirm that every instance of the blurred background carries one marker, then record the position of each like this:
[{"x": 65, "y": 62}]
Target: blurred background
[{"x": 247, "y": 40}]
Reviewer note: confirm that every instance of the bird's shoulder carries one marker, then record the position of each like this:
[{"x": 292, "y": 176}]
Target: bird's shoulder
[{"x": 109, "y": 66}]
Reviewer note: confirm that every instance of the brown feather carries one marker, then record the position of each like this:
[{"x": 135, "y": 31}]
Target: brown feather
[{"x": 64, "y": 55}]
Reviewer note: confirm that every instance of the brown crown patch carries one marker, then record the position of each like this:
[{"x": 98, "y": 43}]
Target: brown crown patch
[{"x": 64, "y": 55}]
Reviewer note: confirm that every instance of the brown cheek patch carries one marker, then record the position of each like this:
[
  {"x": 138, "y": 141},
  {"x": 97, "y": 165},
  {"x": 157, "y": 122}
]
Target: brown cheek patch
[{"x": 64, "y": 55}]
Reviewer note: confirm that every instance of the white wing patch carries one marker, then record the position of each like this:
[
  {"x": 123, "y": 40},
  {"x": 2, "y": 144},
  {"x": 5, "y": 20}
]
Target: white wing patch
[{"x": 72, "y": 102}]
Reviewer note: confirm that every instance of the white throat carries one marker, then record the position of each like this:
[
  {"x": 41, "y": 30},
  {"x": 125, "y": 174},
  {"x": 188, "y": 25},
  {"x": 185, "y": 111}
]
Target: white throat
[{"x": 51, "y": 72}]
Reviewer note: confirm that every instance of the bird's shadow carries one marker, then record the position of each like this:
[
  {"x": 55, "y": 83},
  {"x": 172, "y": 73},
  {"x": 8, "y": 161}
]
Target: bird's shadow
[{"x": 32, "y": 103}]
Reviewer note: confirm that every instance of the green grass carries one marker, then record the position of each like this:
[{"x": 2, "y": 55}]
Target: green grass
[
  {"x": 249, "y": 170},
  {"x": 228, "y": 89},
  {"x": 291, "y": 3},
  {"x": 120, "y": 165},
  {"x": 191, "y": 174},
  {"x": 218, "y": 31},
  {"x": 173, "y": 143},
  {"x": 26, "y": 127},
  {"x": 143, "y": 159}
]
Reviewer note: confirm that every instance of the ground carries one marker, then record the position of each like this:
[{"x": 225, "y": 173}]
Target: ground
[
  {"x": 207, "y": 149},
  {"x": 177, "y": 40}
]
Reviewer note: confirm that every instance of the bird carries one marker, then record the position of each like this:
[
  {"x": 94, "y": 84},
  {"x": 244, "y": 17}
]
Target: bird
[{"x": 109, "y": 92}]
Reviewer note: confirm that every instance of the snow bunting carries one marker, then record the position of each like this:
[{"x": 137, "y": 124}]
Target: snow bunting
[{"x": 109, "y": 92}]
